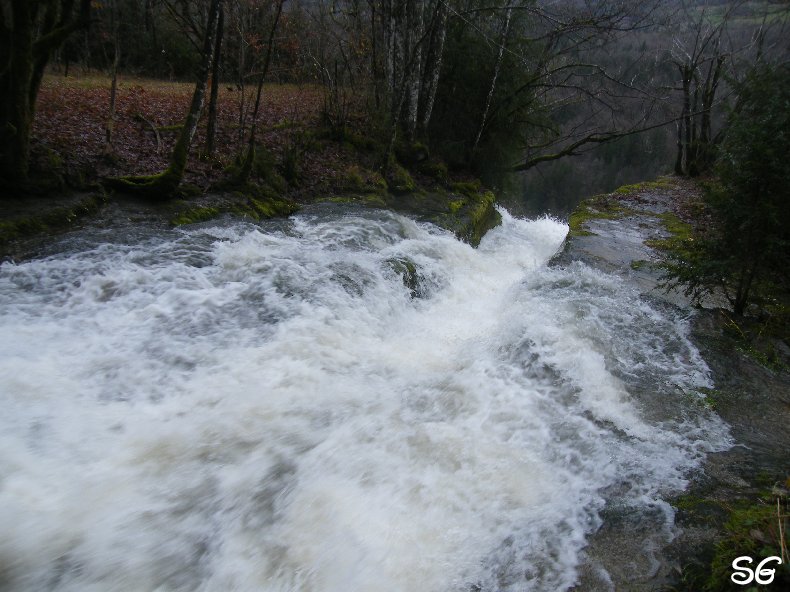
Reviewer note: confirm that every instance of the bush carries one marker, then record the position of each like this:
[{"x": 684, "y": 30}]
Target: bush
[{"x": 746, "y": 250}]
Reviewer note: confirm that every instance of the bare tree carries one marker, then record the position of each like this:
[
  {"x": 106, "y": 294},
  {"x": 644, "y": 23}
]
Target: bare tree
[
  {"x": 699, "y": 56},
  {"x": 166, "y": 183},
  {"x": 246, "y": 167}
]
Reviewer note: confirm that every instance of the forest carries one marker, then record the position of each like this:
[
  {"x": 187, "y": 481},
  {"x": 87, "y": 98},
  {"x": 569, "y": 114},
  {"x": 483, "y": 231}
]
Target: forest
[
  {"x": 490, "y": 90},
  {"x": 544, "y": 102}
]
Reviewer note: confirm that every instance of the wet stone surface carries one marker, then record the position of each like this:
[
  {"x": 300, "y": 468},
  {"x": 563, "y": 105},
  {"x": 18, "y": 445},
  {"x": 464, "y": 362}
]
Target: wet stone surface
[{"x": 640, "y": 554}]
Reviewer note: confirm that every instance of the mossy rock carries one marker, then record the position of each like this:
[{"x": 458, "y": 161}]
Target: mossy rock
[
  {"x": 399, "y": 180},
  {"x": 256, "y": 202},
  {"x": 752, "y": 529},
  {"x": 411, "y": 153},
  {"x": 360, "y": 180},
  {"x": 195, "y": 215},
  {"x": 53, "y": 220},
  {"x": 644, "y": 186},
  {"x": 470, "y": 217},
  {"x": 407, "y": 270},
  {"x": 435, "y": 170},
  {"x": 468, "y": 188},
  {"x": 598, "y": 207}
]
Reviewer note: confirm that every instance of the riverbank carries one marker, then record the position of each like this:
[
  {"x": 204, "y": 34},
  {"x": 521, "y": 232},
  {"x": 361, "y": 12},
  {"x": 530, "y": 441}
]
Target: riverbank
[
  {"x": 730, "y": 506},
  {"x": 299, "y": 161}
]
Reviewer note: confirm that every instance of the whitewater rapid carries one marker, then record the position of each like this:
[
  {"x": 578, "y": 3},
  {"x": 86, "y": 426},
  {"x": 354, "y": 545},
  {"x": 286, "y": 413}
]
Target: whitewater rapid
[{"x": 272, "y": 407}]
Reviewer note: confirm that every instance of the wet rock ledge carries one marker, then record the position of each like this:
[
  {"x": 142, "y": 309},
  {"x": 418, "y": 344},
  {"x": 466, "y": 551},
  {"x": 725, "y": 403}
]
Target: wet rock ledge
[{"x": 735, "y": 504}]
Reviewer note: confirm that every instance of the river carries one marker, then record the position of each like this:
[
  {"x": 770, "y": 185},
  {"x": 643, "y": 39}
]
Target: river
[{"x": 271, "y": 407}]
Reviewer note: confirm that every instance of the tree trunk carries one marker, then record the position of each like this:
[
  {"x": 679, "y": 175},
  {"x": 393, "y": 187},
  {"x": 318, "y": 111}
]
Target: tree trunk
[
  {"x": 492, "y": 88},
  {"x": 110, "y": 127},
  {"x": 211, "y": 126},
  {"x": 414, "y": 30},
  {"x": 28, "y": 42},
  {"x": 166, "y": 183},
  {"x": 433, "y": 66},
  {"x": 246, "y": 167}
]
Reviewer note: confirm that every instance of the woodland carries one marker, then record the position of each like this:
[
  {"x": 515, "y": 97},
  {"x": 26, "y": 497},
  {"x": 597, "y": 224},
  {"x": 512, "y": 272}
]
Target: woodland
[{"x": 545, "y": 102}]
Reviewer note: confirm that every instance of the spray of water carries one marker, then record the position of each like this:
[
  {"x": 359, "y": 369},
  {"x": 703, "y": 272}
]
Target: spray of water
[{"x": 349, "y": 402}]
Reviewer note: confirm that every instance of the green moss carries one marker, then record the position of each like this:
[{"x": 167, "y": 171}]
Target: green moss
[
  {"x": 638, "y": 264},
  {"x": 51, "y": 221},
  {"x": 255, "y": 203},
  {"x": 680, "y": 235},
  {"x": 468, "y": 188},
  {"x": 399, "y": 180},
  {"x": 195, "y": 215},
  {"x": 577, "y": 219},
  {"x": 272, "y": 207},
  {"x": 604, "y": 207},
  {"x": 411, "y": 153},
  {"x": 362, "y": 143},
  {"x": 161, "y": 185},
  {"x": 746, "y": 527},
  {"x": 407, "y": 270},
  {"x": 482, "y": 216},
  {"x": 644, "y": 186},
  {"x": 436, "y": 170},
  {"x": 753, "y": 529},
  {"x": 374, "y": 200},
  {"x": 709, "y": 397},
  {"x": 677, "y": 227},
  {"x": 456, "y": 205},
  {"x": 353, "y": 179},
  {"x": 361, "y": 180}
]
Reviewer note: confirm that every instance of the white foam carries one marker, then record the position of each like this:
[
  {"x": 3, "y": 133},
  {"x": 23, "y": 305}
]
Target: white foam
[{"x": 230, "y": 408}]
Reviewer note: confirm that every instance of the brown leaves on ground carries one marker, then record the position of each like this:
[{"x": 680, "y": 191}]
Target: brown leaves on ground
[{"x": 72, "y": 115}]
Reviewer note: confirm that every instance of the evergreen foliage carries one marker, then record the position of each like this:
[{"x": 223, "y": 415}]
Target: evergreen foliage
[{"x": 745, "y": 250}]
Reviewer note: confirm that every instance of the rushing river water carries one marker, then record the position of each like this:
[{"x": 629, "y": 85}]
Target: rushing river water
[{"x": 271, "y": 408}]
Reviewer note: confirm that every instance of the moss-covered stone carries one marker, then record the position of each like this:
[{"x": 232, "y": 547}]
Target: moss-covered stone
[
  {"x": 468, "y": 188},
  {"x": 411, "y": 153},
  {"x": 644, "y": 186},
  {"x": 358, "y": 179},
  {"x": 52, "y": 220},
  {"x": 407, "y": 270},
  {"x": 680, "y": 233},
  {"x": 471, "y": 217},
  {"x": 435, "y": 170},
  {"x": 195, "y": 215},
  {"x": 456, "y": 205},
  {"x": 758, "y": 529},
  {"x": 399, "y": 180},
  {"x": 257, "y": 203},
  {"x": 601, "y": 207}
]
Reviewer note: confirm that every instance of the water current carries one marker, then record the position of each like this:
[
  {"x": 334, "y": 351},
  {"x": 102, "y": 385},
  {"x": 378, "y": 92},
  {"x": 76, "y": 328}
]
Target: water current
[{"x": 346, "y": 401}]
